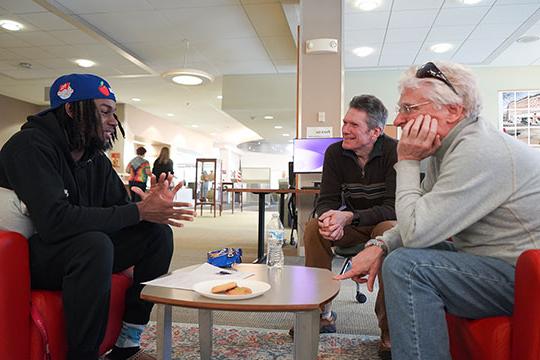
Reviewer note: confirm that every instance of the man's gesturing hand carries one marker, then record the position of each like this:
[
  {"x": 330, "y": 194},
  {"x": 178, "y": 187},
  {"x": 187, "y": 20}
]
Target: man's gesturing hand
[
  {"x": 367, "y": 262},
  {"x": 157, "y": 203}
]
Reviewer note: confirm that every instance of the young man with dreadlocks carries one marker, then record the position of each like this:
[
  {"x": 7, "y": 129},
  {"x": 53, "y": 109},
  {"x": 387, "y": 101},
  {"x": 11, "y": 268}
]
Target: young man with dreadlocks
[{"x": 85, "y": 226}]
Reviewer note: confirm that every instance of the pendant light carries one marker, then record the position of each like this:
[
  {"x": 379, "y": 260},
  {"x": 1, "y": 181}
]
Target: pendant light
[{"x": 187, "y": 76}]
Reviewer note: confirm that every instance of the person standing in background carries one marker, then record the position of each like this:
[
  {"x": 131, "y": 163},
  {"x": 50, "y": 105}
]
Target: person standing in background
[
  {"x": 163, "y": 163},
  {"x": 139, "y": 171}
]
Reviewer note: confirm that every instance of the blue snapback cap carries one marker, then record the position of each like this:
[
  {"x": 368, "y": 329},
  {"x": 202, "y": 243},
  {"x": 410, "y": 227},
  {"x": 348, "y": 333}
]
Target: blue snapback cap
[{"x": 76, "y": 87}]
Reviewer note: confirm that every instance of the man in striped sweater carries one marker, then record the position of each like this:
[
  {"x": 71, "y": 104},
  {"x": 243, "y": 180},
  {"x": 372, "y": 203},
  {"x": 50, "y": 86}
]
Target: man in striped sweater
[{"x": 356, "y": 201}]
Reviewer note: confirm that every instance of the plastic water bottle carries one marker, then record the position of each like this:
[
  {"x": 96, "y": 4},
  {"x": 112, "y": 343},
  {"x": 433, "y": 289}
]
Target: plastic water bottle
[{"x": 275, "y": 235}]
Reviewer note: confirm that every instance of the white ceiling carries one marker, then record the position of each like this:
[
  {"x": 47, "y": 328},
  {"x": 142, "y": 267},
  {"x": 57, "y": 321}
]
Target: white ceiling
[
  {"x": 133, "y": 41},
  {"x": 402, "y": 31}
]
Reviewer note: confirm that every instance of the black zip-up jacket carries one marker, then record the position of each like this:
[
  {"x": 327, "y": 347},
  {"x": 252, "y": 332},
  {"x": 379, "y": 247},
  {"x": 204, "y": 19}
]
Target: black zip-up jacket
[
  {"x": 370, "y": 193},
  {"x": 64, "y": 197}
]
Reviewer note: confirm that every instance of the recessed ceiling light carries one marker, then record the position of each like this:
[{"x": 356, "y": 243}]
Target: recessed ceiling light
[
  {"x": 528, "y": 39},
  {"x": 470, "y": 2},
  {"x": 285, "y": 134},
  {"x": 268, "y": 117},
  {"x": 11, "y": 25},
  {"x": 363, "y": 51},
  {"x": 194, "y": 126},
  {"x": 219, "y": 97},
  {"x": 441, "y": 48},
  {"x": 135, "y": 99},
  {"x": 367, "y": 5},
  {"x": 170, "y": 114},
  {"x": 85, "y": 63},
  {"x": 278, "y": 127}
]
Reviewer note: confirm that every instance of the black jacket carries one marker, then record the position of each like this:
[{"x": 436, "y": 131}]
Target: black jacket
[
  {"x": 64, "y": 197},
  {"x": 370, "y": 193},
  {"x": 159, "y": 168}
]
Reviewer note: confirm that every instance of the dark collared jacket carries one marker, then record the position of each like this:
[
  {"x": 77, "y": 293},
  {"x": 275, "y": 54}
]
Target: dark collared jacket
[{"x": 369, "y": 192}]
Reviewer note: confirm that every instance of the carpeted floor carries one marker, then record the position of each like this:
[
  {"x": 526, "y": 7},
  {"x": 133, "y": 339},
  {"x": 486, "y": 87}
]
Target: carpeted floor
[
  {"x": 240, "y": 230},
  {"x": 238, "y": 343}
]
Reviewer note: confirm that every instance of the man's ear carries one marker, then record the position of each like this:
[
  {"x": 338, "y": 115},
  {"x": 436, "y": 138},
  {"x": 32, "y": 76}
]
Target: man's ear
[
  {"x": 69, "y": 109},
  {"x": 377, "y": 132},
  {"x": 456, "y": 113}
]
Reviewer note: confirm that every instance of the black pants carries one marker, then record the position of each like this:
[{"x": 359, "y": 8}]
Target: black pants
[
  {"x": 82, "y": 266},
  {"x": 141, "y": 185}
]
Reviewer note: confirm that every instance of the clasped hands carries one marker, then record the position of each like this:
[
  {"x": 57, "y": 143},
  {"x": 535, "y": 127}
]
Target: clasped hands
[
  {"x": 419, "y": 138},
  {"x": 332, "y": 222},
  {"x": 158, "y": 205}
]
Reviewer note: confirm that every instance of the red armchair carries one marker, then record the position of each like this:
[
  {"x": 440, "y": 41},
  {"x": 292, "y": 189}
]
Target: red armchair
[
  {"x": 20, "y": 338},
  {"x": 515, "y": 337}
]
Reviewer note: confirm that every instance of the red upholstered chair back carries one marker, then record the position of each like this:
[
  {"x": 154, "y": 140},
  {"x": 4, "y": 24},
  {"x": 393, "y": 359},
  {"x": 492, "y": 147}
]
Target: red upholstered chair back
[
  {"x": 20, "y": 338},
  {"x": 504, "y": 338}
]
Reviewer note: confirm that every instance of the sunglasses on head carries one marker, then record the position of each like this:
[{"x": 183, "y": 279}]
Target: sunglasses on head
[{"x": 430, "y": 70}]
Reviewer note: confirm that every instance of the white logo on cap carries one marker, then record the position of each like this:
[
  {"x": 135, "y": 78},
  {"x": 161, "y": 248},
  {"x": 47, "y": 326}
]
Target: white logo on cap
[{"x": 65, "y": 91}]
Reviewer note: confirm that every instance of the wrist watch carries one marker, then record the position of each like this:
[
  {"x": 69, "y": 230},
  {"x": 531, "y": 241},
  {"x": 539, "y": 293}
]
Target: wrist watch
[{"x": 378, "y": 243}]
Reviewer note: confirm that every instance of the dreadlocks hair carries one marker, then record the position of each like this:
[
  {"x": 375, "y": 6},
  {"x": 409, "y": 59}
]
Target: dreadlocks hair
[
  {"x": 83, "y": 128},
  {"x": 115, "y": 135}
]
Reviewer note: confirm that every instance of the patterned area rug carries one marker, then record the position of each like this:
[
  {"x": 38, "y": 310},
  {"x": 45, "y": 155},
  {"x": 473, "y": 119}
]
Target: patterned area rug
[{"x": 236, "y": 343}]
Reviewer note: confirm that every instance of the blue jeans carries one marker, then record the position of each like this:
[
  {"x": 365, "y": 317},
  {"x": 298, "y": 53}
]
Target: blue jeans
[{"x": 420, "y": 285}]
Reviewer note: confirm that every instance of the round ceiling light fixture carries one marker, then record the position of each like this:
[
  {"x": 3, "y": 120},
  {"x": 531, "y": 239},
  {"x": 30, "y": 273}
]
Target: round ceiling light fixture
[
  {"x": 187, "y": 76},
  {"x": 11, "y": 25},
  {"x": 85, "y": 63},
  {"x": 441, "y": 48},
  {"x": 527, "y": 39},
  {"x": 367, "y": 5},
  {"x": 363, "y": 51}
]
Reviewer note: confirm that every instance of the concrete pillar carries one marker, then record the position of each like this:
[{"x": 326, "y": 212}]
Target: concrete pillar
[{"x": 320, "y": 84}]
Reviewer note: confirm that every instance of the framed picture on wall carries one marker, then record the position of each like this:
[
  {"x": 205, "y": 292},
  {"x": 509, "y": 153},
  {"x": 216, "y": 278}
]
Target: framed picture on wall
[{"x": 519, "y": 115}]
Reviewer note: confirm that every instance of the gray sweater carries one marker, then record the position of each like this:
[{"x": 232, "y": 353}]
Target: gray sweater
[{"x": 482, "y": 189}]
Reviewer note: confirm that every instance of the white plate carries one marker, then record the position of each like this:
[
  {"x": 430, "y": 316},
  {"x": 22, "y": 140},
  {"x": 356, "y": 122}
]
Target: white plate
[{"x": 257, "y": 287}]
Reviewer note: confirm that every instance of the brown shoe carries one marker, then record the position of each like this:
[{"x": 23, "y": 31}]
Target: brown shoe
[{"x": 384, "y": 351}]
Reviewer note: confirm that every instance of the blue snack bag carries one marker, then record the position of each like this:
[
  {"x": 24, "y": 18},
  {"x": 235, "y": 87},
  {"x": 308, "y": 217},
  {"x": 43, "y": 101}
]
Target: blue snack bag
[{"x": 225, "y": 257}]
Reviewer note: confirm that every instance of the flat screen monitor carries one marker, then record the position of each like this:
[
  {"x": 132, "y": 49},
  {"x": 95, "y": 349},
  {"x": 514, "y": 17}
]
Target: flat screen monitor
[{"x": 308, "y": 154}]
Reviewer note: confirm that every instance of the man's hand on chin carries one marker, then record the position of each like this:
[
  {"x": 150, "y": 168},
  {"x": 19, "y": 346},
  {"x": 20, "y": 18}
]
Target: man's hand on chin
[{"x": 419, "y": 139}]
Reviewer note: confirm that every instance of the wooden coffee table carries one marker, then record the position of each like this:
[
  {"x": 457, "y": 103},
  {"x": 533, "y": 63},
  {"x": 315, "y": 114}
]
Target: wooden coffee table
[{"x": 296, "y": 289}]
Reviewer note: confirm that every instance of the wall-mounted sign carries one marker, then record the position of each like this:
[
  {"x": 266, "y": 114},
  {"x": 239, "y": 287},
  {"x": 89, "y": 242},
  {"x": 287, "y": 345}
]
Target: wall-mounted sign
[
  {"x": 115, "y": 159},
  {"x": 319, "y": 132}
]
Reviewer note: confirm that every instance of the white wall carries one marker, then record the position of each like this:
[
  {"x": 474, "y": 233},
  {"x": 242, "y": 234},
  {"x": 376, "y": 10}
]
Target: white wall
[
  {"x": 383, "y": 84},
  {"x": 14, "y": 114},
  {"x": 277, "y": 163}
]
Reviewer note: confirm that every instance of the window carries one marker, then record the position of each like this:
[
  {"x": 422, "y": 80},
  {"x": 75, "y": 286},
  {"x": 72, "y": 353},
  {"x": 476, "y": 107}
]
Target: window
[{"x": 519, "y": 115}]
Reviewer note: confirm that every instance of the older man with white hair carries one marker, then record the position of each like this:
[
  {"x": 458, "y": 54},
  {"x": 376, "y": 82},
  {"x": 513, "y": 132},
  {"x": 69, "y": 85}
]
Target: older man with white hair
[{"x": 481, "y": 190}]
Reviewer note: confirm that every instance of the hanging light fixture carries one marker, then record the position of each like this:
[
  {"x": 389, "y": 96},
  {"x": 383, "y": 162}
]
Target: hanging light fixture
[{"x": 186, "y": 76}]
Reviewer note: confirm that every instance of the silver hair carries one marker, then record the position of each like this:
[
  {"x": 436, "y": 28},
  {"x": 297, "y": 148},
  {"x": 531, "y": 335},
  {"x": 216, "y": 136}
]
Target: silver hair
[
  {"x": 374, "y": 108},
  {"x": 461, "y": 78}
]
